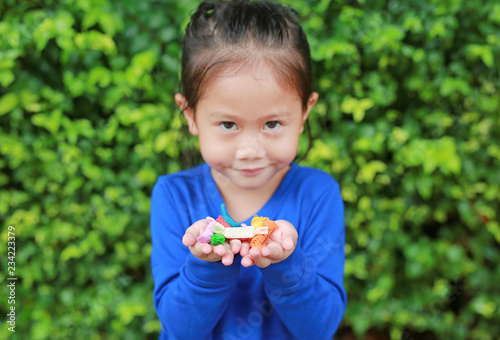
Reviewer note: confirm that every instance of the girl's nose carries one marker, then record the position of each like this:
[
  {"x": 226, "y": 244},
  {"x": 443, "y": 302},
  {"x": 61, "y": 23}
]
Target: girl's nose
[{"x": 250, "y": 152}]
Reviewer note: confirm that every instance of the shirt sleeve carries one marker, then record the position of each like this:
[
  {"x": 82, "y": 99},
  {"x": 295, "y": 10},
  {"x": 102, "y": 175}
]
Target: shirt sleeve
[
  {"x": 306, "y": 289},
  {"x": 190, "y": 295}
]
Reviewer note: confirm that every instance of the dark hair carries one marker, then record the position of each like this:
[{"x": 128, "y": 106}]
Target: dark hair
[{"x": 228, "y": 36}]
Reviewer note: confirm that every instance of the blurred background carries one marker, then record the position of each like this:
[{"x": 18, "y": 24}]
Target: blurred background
[{"x": 408, "y": 122}]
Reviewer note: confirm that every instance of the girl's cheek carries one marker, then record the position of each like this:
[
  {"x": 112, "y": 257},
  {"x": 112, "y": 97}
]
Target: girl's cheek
[
  {"x": 217, "y": 146},
  {"x": 284, "y": 148}
]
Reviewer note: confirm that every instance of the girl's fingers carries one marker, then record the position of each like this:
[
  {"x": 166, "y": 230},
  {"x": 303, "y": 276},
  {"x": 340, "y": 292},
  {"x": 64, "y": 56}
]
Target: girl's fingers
[
  {"x": 272, "y": 251},
  {"x": 257, "y": 258},
  {"x": 288, "y": 243},
  {"x": 188, "y": 239},
  {"x": 227, "y": 259},
  {"x": 193, "y": 232},
  {"x": 247, "y": 261},
  {"x": 220, "y": 250},
  {"x": 245, "y": 248},
  {"x": 286, "y": 230},
  {"x": 235, "y": 245},
  {"x": 202, "y": 248},
  {"x": 262, "y": 262},
  {"x": 207, "y": 249},
  {"x": 276, "y": 236},
  {"x": 254, "y": 253},
  {"x": 267, "y": 251}
]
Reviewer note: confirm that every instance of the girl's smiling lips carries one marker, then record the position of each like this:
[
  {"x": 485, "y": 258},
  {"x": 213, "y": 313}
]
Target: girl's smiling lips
[{"x": 250, "y": 172}]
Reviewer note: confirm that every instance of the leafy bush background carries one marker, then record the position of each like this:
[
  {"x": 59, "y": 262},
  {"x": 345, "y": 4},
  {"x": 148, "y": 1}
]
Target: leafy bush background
[{"x": 408, "y": 123}]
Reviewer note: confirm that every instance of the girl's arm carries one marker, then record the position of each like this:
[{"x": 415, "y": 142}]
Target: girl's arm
[
  {"x": 190, "y": 294},
  {"x": 306, "y": 289}
]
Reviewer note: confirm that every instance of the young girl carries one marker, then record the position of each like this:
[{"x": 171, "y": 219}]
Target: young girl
[{"x": 246, "y": 82}]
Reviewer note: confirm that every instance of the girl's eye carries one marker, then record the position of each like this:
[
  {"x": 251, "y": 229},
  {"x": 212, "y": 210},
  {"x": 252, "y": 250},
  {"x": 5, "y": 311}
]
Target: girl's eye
[
  {"x": 228, "y": 125},
  {"x": 272, "y": 125}
]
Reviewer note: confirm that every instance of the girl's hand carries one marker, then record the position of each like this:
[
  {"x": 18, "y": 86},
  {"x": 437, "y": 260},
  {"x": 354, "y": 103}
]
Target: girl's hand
[
  {"x": 205, "y": 251},
  {"x": 280, "y": 244}
]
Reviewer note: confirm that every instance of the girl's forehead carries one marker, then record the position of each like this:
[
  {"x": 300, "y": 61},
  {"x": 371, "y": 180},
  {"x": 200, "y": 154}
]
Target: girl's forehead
[
  {"x": 249, "y": 95},
  {"x": 250, "y": 82}
]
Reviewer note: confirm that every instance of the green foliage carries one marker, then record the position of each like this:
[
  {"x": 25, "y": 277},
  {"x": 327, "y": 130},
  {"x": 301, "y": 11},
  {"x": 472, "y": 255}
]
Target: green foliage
[
  {"x": 409, "y": 125},
  {"x": 408, "y": 122}
]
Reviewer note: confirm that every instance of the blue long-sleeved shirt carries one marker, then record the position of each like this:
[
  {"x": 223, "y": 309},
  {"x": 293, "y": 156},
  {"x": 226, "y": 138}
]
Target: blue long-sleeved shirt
[{"x": 301, "y": 297}]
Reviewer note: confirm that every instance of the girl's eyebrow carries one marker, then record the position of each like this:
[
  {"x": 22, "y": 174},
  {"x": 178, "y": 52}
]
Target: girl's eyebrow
[
  {"x": 278, "y": 115},
  {"x": 271, "y": 116},
  {"x": 222, "y": 115}
]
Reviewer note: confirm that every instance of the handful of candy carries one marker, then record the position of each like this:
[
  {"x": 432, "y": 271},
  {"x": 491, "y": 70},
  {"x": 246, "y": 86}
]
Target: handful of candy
[{"x": 224, "y": 227}]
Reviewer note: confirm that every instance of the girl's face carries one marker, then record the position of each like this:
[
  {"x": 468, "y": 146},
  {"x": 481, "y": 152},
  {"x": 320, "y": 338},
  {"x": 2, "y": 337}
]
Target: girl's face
[{"x": 248, "y": 127}]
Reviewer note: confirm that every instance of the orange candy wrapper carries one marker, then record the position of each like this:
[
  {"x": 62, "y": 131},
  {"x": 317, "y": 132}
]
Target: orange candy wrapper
[{"x": 259, "y": 240}]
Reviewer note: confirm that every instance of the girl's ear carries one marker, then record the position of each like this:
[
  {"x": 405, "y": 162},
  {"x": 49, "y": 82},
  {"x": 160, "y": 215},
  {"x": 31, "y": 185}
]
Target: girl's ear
[
  {"x": 313, "y": 99},
  {"x": 188, "y": 113}
]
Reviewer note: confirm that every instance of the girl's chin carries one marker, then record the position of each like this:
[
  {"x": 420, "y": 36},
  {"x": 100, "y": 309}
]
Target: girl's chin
[
  {"x": 247, "y": 183},
  {"x": 246, "y": 180},
  {"x": 249, "y": 179}
]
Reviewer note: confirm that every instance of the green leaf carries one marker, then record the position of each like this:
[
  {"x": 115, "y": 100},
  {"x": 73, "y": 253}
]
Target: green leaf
[
  {"x": 6, "y": 78},
  {"x": 474, "y": 51},
  {"x": 8, "y": 102},
  {"x": 356, "y": 107}
]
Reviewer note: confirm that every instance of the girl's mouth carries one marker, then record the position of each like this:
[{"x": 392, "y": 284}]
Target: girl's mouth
[{"x": 251, "y": 172}]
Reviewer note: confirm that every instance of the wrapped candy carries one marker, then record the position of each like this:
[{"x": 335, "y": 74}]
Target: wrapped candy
[{"x": 217, "y": 231}]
